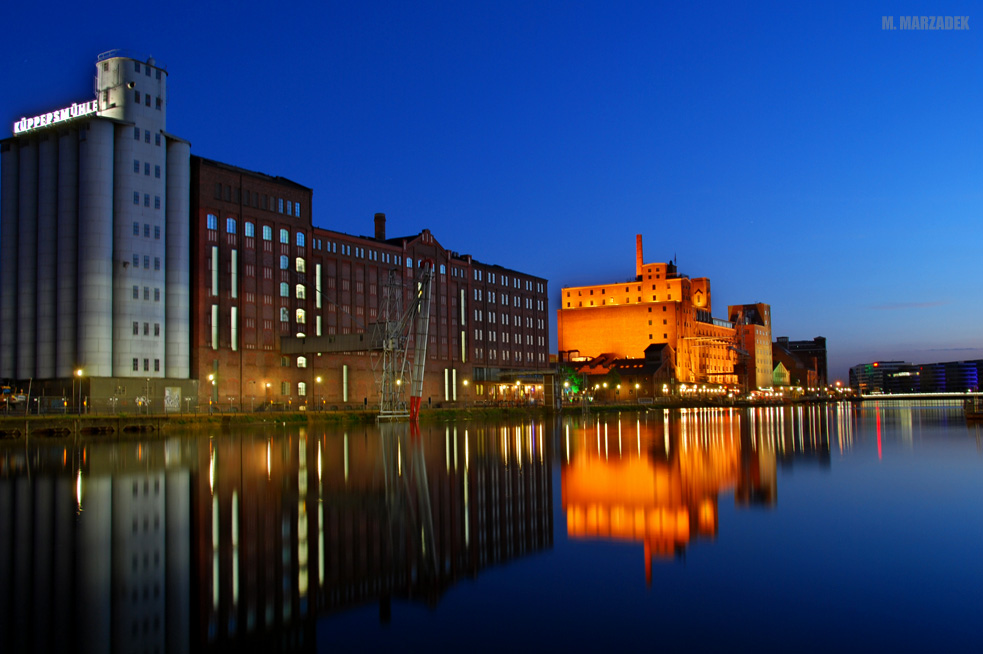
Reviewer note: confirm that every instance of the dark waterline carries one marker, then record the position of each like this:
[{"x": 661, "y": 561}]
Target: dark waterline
[{"x": 799, "y": 529}]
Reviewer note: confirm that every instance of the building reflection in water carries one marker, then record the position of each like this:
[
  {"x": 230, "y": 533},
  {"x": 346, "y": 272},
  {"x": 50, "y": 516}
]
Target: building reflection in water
[
  {"x": 95, "y": 547},
  {"x": 655, "y": 478},
  {"x": 212, "y": 543}
]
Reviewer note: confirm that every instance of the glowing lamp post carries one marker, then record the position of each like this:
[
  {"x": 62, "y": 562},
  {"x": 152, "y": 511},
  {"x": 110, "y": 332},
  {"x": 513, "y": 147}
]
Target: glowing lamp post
[{"x": 78, "y": 373}]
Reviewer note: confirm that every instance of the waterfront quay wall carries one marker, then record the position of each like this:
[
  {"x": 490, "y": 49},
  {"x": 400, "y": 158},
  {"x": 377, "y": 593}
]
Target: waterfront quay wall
[{"x": 16, "y": 427}]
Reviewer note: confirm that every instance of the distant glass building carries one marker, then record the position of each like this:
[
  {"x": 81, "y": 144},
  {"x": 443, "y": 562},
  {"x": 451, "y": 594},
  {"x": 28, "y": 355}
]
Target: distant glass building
[
  {"x": 900, "y": 377},
  {"x": 95, "y": 237}
]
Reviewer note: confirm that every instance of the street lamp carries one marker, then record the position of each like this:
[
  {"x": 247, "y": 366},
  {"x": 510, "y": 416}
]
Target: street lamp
[
  {"x": 78, "y": 373},
  {"x": 211, "y": 378},
  {"x": 317, "y": 393}
]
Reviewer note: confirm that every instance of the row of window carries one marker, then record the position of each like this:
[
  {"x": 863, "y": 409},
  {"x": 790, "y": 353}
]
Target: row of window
[
  {"x": 257, "y": 201},
  {"x": 146, "y": 328},
  {"x": 146, "y": 261},
  {"x": 146, "y": 136},
  {"x": 136, "y": 68},
  {"x": 655, "y": 298},
  {"x": 604, "y": 290},
  {"x": 146, "y": 365},
  {"x": 249, "y": 230},
  {"x": 516, "y": 337},
  {"x": 146, "y": 96},
  {"x": 146, "y": 293},
  {"x": 146, "y": 230},
  {"x": 506, "y": 355},
  {"x": 516, "y": 283},
  {"x": 146, "y": 168},
  {"x": 146, "y": 200}
]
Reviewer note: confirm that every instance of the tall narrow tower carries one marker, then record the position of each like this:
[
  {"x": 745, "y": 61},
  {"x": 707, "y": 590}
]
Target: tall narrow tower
[{"x": 94, "y": 233}]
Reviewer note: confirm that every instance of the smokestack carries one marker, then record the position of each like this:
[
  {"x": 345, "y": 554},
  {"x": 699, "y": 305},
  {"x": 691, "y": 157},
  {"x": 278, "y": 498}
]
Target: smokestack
[
  {"x": 638, "y": 256},
  {"x": 380, "y": 227}
]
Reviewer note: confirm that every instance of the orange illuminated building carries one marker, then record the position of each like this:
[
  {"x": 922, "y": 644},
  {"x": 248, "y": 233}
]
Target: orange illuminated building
[{"x": 663, "y": 306}]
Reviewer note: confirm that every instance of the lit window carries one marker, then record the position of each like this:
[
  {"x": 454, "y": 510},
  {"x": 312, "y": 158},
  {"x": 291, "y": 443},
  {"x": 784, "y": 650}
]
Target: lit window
[
  {"x": 284, "y": 289},
  {"x": 301, "y": 265},
  {"x": 301, "y": 362},
  {"x": 211, "y": 221},
  {"x": 284, "y": 262},
  {"x": 267, "y": 233},
  {"x": 230, "y": 225},
  {"x": 250, "y": 229},
  {"x": 284, "y": 314},
  {"x": 297, "y": 209},
  {"x": 301, "y": 292},
  {"x": 301, "y": 316},
  {"x": 302, "y": 389},
  {"x": 284, "y": 234},
  {"x": 300, "y": 239}
]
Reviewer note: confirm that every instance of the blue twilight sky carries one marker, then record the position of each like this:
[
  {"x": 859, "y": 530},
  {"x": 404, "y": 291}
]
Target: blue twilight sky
[{"x": 793, "y": 152}]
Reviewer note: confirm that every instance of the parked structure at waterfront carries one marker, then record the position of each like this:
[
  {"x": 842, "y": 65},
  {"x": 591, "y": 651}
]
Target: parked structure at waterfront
[
  {"x": 660, "y": 305},
  {"x": 902, "y": 377},
  {"x": 106, "y": 220}
]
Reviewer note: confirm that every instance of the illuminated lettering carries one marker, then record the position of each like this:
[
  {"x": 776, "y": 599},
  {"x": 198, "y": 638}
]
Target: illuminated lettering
[{"x": 76, "y": 110}]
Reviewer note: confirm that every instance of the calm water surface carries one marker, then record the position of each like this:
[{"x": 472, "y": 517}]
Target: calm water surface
[{"x": 796, "y": 529}]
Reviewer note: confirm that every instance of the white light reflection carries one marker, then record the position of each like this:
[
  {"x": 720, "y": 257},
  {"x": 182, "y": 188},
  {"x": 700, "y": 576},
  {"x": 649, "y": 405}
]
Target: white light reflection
[
  {"x": 467, "y": 504},
  {"x": 78, "y": 489},
  {"x": 235, "y": 548}
]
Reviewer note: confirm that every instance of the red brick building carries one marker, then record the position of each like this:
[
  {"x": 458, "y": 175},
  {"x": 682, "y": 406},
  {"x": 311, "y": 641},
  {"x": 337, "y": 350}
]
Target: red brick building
[{"x": 261, "y": 270}]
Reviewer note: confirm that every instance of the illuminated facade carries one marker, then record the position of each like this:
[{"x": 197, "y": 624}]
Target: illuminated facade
[
  {"x": 264, "y": 271},
  {"x": 95, "y": 243},
  {"x": 663, "y": 306},
  {"x": 133, "y": 271}
]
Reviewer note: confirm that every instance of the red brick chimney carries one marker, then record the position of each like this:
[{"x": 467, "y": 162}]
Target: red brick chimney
[{"x": 380, "y": 227}]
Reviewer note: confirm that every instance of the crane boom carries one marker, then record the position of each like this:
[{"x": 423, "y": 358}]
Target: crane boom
[{"x": 421, "y": 337}]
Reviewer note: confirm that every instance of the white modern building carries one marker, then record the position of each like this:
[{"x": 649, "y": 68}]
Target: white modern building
[{"x": 95, "y": 235}]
